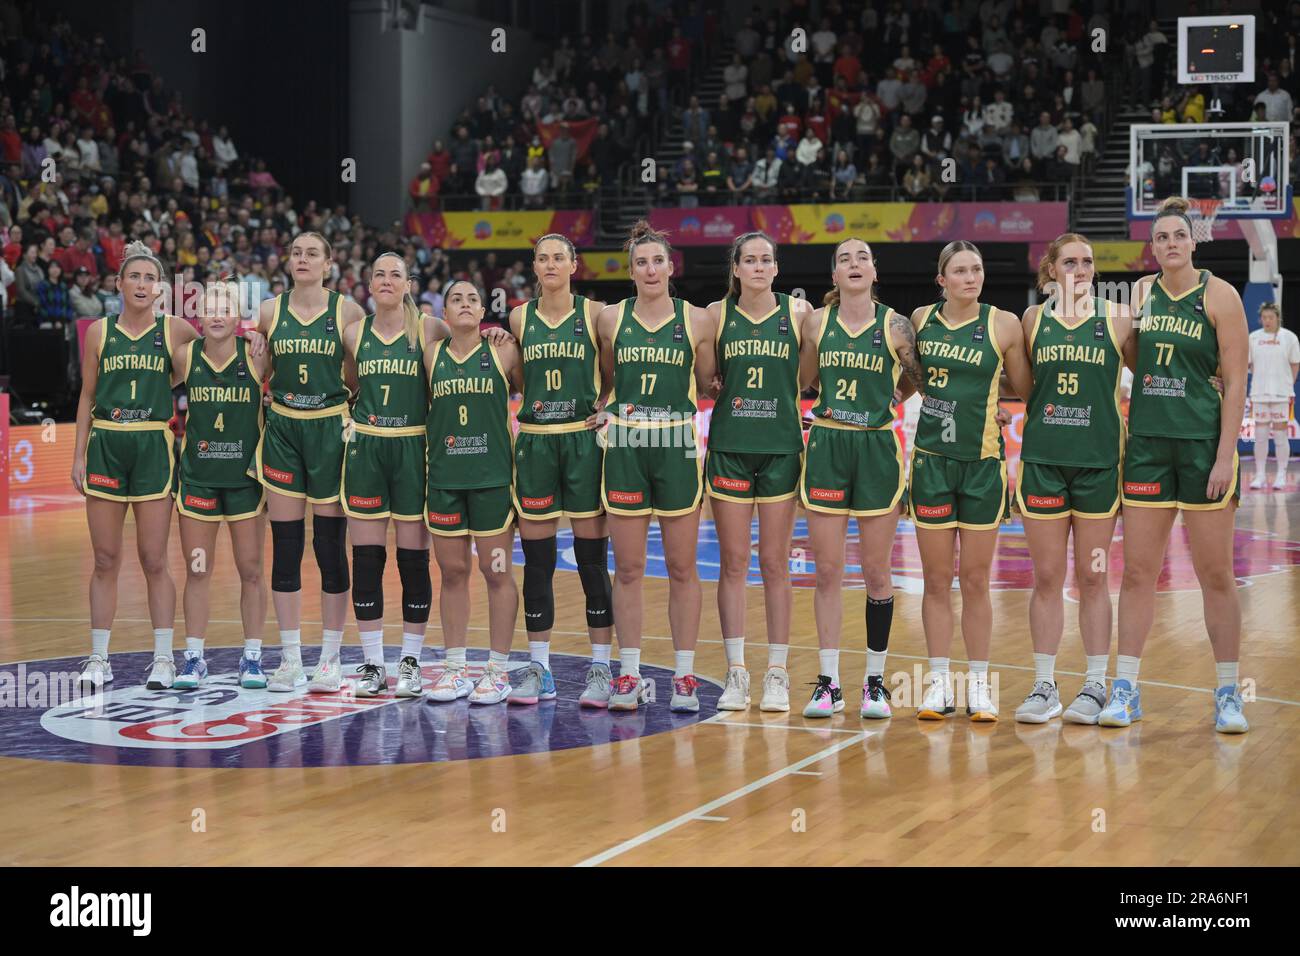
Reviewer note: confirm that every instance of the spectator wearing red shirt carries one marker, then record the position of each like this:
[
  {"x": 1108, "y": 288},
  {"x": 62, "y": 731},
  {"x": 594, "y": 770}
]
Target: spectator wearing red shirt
[
  {"x": 440, "y": 161},
  {"x": 847, "y": 65},
  {"x": 424, "y": 188},
  {"x": 679, "y": 58},
  {"x": 819, "y": 122},
  {"x": 11, "y": 142},
  {"x": 790, "y": 125},
  {"x": 77, "y": 255},
  {"x": 113, "y": 242},
  {"x": 13, "y": 250}
]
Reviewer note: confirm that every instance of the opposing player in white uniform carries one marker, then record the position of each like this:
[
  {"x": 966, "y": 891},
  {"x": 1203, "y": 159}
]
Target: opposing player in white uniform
[{"x": 1274, "y": 362}]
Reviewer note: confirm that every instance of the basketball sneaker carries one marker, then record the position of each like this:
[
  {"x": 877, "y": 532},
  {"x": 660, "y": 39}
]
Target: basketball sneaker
[
  {"x": 875, "y": 698},
  {"x": 1258, "y": 483},
  {"x": 684, "y": 700},
  {"x": 373, "y": 680},
  {"x": 288, "y": 676},
  {"x": 96, "y": 671},
  {"x": 1087, "y": 705},
  {"x": 327, "y": 676},
  {"x": 1279, "y": 481},
  {"x": 493, "y": 687},
  {"x": 452, "y": 684},
  {"x": 409, "y": 681},
  {"x": 776, "y": 690},
  {"x": 827, "y": 698},
  {"x": 162, "y": 674},
  {"x": 735, "y": 696},
  {"x": 193, "y": 673},
  {"x": 939, "y": 700},
  {"x": 1228, "y": 718},
  {"x": 598, "y": 681},
  {"x": 1124, "y": 707},
  {"x": 1042, "y": 704},
  {"x": 538, "y": 684},
  {"x": 979, "y": 700},
  {"x": 629, "y": 691},
  {"x": 251, "y": 674}
]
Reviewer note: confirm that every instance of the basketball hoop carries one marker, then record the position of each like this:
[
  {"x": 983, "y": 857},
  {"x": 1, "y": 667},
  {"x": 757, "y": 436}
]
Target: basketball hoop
[{"x": 1203, "y": 223}]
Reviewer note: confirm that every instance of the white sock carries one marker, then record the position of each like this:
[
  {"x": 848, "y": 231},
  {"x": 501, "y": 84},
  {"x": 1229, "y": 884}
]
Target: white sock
[
  {"x": 193, "y": 647},
  {"x": 1261, "y": 452},
  {"x": 162, "y": 641},
  {"x": 331, "y": 642},
  {"x": 412, "y": 644},
  {"x": 291, "y": 645},
  {"x": 1225, "y": 674},
  {"x": 601, "y": 653},
  {"x": 1044, "y": 667},
  {"x": 979, "y": 669},
  {"x": 685, "y": 663},
  {"x": 735, "y": 649},
  {"x": 939, "y": 665},
  {"x": 253, "y": 648},
  {"x": 777, "y": 654},
  {"x": 1096, "y": 668},
  {"x": 629, "y": 661},
  {"x": 1282, "y": 444},
  {"x": 829, "y": 661},
  {"x": 498, "y": 657},
  {"x": 540, "y": 651},
  {"x": 876, "y": 663},
  {"x": 372, "y": 644},
  {"x": 1126, "y": 668},
  {"x": 99, "y": 641},
  {"x": 456, "y": 656}
]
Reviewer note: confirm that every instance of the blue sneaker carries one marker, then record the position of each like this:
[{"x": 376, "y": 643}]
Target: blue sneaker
[
  {"x": 538, "y": 684},
  {"x": 192, "y": 674},
  {"x": 251, "y": 674},
  {"x": 1228, "y": 718},
  {"x": 1124, "y": 707}
]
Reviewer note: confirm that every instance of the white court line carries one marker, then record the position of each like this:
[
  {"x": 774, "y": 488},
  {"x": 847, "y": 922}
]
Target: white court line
[
  {"x": 722, "y": 801},
  {"x": 809, "y": 773},
  {"x": 714, "y": 819}
]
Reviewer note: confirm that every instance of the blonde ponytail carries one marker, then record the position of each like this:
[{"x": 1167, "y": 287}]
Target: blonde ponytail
[{"x": 411, "y": 319}]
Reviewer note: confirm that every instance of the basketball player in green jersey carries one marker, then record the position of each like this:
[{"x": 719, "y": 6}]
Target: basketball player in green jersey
[
  {"x": 222, "y": 428},
  {"x": 660, "y": 350},
  {"x": 558, "y": 466},
  {"x": 959, "y": 471},
  {"x": 124, "y": 457},
  {"x": 861, "y": 356},
  {"x": 1070, "y": 469},
  {"x": 300, "y": 459},
  {"x": 469, "y": 473},
  {"x": 1182, "y": 456},
  {"x": 755, "y": 454}
]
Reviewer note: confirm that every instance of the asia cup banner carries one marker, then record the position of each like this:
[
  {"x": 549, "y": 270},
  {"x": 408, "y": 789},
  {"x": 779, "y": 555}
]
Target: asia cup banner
[
  {"x": 500, "y": 229},
  {"x": 872, "y": 222},
  {"x": 597, "y": 265}
]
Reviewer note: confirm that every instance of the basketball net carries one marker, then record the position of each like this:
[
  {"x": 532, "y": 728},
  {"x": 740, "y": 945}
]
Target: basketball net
[{"x": 1203, "y": 223}]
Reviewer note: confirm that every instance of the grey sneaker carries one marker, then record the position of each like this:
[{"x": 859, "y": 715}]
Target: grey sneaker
[
  {"x": 735, "y": 696},
  {"x": 629, "y": 692},
  {"x": 409, "y": 681},
  {"x": 597, "y": 692},
  {"x": 1042, "y": 704},
  {"x": 373, "y": 681},
  {"x": 327, "y": 676},
  {"x": 537, "y": 685},
  {"x": 1087, "y": 706},
  {"x": 684, "y": 700}
]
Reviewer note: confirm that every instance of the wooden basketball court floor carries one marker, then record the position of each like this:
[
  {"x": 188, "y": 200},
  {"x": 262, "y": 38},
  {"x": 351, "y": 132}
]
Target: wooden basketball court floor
[{"x": 742, "y": 789}]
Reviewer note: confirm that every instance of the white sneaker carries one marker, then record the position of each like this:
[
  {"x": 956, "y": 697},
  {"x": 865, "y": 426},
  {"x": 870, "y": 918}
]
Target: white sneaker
[
  {"x": 979, "y": 701},
  {"x": 735, "y": 696},
  {"x": 493, "y": 687},
  {"x": 1279, "y": 482},
  {"x": 162, "y": 673},
  {"x": 1258, "y": 483},
  {"x": 409, "y": 681},
  {"x": 452, "y": 684},
  {"x": 289, "y": 676},
  {"x": 939, "y": 700},
  {"x": 96, "y": 671},
  {"x": 327, "y": 676},
  {"x": 776, "y": 690}
]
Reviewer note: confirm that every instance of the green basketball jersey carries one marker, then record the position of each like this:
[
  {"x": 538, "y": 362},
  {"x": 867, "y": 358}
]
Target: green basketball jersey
[
  {"x": 1073, "y": 413},
  {"x": 224, "y": 422},
  {"x": 561, "y": 367},
  {"x": 962, "y": 364},
  {"x": 307, "y": 358},
  {"x": 135, "y": 374},
  {"x": 857, "y": 372},
  {"x": 1178, "y": 353},
  {"x": 758, "y": 359},
  {"x": 468, "y": 427},
  {"x": 391, "y": 391},
  {"x": 654, "y": 369}
]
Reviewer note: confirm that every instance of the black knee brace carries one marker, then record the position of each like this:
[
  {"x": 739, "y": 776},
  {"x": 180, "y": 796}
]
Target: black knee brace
[
  {"x": 288, "y": 541},
  {"x": 417, "y": 589},
  {"x": 368, "y": 562},
  {"x": 539, "y": 585},
  {"x": 329, "y": 541},
  {"x": 593, "y": 571}
]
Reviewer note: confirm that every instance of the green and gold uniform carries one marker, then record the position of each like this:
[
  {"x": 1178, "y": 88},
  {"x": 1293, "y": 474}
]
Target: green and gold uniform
[
  {"x": 469, "y": 442},
  {"x": 652, "y": 462},
  {"x": 557, "y": 457},
  {"x": 1175, "y": 411},
  {"x": 959, "y": 469},
  {"x": 222, "y": 429},
  {"x": 1073, "y": 432},
  {"x": 301, "y": 453},
  {"x": 129, "y": 454},
  {"x": 384, "y": 462},
  {"x": 854, "y": 462},
  {"x": 755, "y": 441}
]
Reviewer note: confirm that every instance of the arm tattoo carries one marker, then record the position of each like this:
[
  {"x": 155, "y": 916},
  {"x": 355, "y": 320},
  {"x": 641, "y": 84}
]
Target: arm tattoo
[{"x": 905, "y": 347}]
